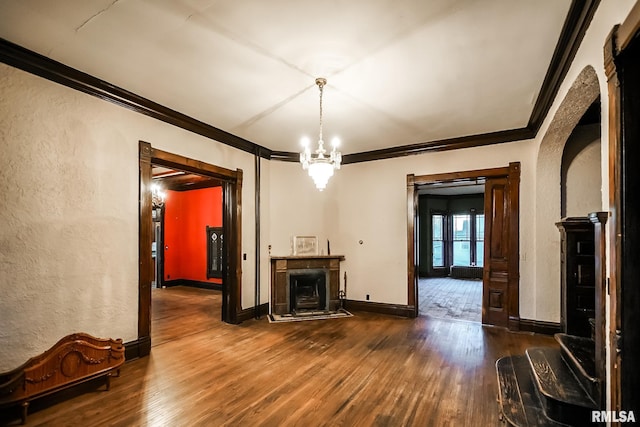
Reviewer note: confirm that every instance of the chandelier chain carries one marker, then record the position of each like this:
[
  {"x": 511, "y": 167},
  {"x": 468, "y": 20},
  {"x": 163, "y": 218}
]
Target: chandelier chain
[{"x": 321, "y": 141}]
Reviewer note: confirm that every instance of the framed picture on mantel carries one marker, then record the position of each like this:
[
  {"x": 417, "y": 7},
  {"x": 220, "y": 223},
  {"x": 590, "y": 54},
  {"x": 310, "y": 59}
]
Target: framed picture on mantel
[{"x": 304, "y": 245}]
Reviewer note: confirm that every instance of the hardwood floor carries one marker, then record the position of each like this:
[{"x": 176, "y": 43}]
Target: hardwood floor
[
  {"x": 366, "y": 370},
  {"x": 182, "y": 310},
  {"x": 448, "y": 298}
]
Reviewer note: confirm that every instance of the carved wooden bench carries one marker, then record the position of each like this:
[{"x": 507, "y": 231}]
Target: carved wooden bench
[{"x": 74, "y": 359}]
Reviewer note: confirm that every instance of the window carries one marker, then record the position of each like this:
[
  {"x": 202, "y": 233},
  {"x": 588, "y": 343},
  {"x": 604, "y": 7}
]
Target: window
[
  {"x": 457, "y": 239},
  {"x": 462, "y": 239},
  {"x": 438, "y": 246},
  {"x": 479, "y": 235},
  {"x": 214, "y": 252}
]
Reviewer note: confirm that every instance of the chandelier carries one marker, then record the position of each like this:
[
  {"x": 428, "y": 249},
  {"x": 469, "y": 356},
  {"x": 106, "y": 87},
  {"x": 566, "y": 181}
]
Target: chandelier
[
  {"x": 319, "y": 164},
  {"x": 157, "y": 196}
]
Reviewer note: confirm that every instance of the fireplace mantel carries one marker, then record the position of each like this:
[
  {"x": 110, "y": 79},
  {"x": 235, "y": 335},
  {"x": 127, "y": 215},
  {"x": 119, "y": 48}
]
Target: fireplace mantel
[{"x": 282, "y": 265}]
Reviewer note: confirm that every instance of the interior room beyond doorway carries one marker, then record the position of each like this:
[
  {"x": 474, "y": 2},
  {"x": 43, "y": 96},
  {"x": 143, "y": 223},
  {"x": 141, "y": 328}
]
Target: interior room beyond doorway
[
  {"x": 187, "y": 252},
  {"x": 451, "y": 250}
]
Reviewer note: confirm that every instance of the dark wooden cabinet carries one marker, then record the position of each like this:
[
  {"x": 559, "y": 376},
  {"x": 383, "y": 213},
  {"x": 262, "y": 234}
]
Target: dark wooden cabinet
[{"x": 578, "y": 294}]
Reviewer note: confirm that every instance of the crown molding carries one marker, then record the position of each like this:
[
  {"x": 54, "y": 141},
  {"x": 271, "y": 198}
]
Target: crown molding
[
  {"x": 575, "y": 26},
  {"x": 39, "y": 65},
  {"x": 577, "y": 22}
]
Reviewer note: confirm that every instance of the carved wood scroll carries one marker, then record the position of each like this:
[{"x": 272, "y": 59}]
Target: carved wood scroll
[{"x": 74, "y": 359}]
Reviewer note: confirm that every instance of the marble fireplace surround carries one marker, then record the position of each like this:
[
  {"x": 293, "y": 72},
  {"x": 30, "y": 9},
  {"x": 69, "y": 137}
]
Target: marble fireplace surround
[{"x": 282, "y": 266}]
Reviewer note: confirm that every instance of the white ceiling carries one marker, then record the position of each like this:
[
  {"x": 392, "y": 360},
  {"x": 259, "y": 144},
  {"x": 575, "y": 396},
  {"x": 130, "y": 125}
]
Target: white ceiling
[{"x": 399, "y": 71}]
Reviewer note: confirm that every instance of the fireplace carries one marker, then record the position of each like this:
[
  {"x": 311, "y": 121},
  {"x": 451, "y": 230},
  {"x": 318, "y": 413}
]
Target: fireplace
[
  {"x": 308, "y": 290},
  {"x": 305, "y": 283}
]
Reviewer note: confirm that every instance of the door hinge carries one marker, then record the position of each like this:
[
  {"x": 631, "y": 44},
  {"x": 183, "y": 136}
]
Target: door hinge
[{"x": 618, "y": 341}]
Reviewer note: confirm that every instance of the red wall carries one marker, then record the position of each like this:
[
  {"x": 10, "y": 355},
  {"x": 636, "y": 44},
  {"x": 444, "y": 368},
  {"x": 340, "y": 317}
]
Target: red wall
[{"x": 187, "y": 214}]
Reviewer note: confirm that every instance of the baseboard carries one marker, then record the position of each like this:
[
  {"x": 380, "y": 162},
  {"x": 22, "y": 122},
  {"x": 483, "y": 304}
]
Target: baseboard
[
  {"x": 250, "y": 313},
  {"x": 513, "y": 323},
  {"x": 540, "y": 327},
  {"x": 138, "y": 348},
  {"x": 381, "y": 308},
  {"x": 193, "y": 284}
]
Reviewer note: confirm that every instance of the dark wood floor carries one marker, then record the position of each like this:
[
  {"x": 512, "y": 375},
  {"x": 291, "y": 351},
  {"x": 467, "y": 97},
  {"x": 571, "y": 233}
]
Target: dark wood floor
[{"x": 366, "y": 370}]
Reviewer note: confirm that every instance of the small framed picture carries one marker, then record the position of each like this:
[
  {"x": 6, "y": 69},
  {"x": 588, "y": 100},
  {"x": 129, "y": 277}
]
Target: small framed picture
[{"x": 305, "y": 245}]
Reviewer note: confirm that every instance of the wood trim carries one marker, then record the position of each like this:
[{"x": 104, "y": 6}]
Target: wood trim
[
  {"x": 257, "y": 254},
  {"x": 615, "y": 229},
  {"x": 629, "y": 28},
  {"x": 253, "y": 312},
  {"x": 512, "y": 172},
  {"x": 170, "y": 160},
  {"x": 540, "y": 327},
  {"x": 237, "y": 242},
  {"x": 145, "y": 237},
  {"x": 460, "y": 176},
  {"x": 287, "y": 156},
  {"x": 232, "y": 210},
  {"x": 412, "y": 252},
  {"x": 514, "y": 246},
  {"x": 440, "y": 145},
  {"x": 137, "y": 348},
  {"x": 49, "y": 69},
  {"x": 381, "y": 308},
  {"x": 599, "y": 220},
  {"x": 189, "y": 182},
  {"x": 621, "y": 64},
  {"x": 575, "y": 26},
  {"x": 576, "y": 23}
]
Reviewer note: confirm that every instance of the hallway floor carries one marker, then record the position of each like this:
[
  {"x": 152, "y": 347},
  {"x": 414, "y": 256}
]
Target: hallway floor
[{"x": 447, "y": 298}]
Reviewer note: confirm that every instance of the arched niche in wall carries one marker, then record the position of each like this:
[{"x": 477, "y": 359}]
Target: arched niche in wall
[
  {"x": 581, "y": 169},
  {"x": 583, "y": 92}
]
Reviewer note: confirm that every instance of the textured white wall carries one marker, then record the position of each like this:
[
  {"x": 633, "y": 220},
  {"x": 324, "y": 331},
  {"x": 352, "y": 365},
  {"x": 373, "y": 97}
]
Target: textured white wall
[
  {"x": 69, "y": 225},
  {"x": 297, "y": 208},
  {"x": 69, "y": 212},
  {"x": 583, "y": 176},
  {"x": 367, "y": 202},
  {"x": 590, "y": 54}
]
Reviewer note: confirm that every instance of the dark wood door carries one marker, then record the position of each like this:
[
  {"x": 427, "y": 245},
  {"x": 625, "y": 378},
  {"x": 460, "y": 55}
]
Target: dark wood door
[
  {"x": 495, "y": 293},
  {"x": 630, "y": 222},
  {"x": 622, "y": 64}
]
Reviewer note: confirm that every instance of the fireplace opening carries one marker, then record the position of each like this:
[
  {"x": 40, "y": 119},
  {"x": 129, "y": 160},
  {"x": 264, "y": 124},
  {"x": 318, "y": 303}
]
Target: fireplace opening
[{"x": 308, "y": 291}]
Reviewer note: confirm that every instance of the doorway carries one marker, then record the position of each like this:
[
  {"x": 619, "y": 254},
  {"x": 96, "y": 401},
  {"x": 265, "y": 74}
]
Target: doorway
[
  {"x": 188, "y": 223},
  {"x": 231, "y": 183},
  {"x": 186, "y": 289},
  {"x": 500, "y": 243},
  {"x": 451, "y": 250}
]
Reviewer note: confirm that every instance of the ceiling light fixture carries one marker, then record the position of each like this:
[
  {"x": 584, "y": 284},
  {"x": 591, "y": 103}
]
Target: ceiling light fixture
[
  {"x": 157, "y": 196},
  {"x": 318, "y": 164}
]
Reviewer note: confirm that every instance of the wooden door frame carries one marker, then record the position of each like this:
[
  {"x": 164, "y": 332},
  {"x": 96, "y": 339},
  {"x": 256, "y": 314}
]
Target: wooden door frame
[
  {"x": 619, "y": 39},
  {"x": 512, "y": 172},
  {"x": 232, "y": 214}
]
